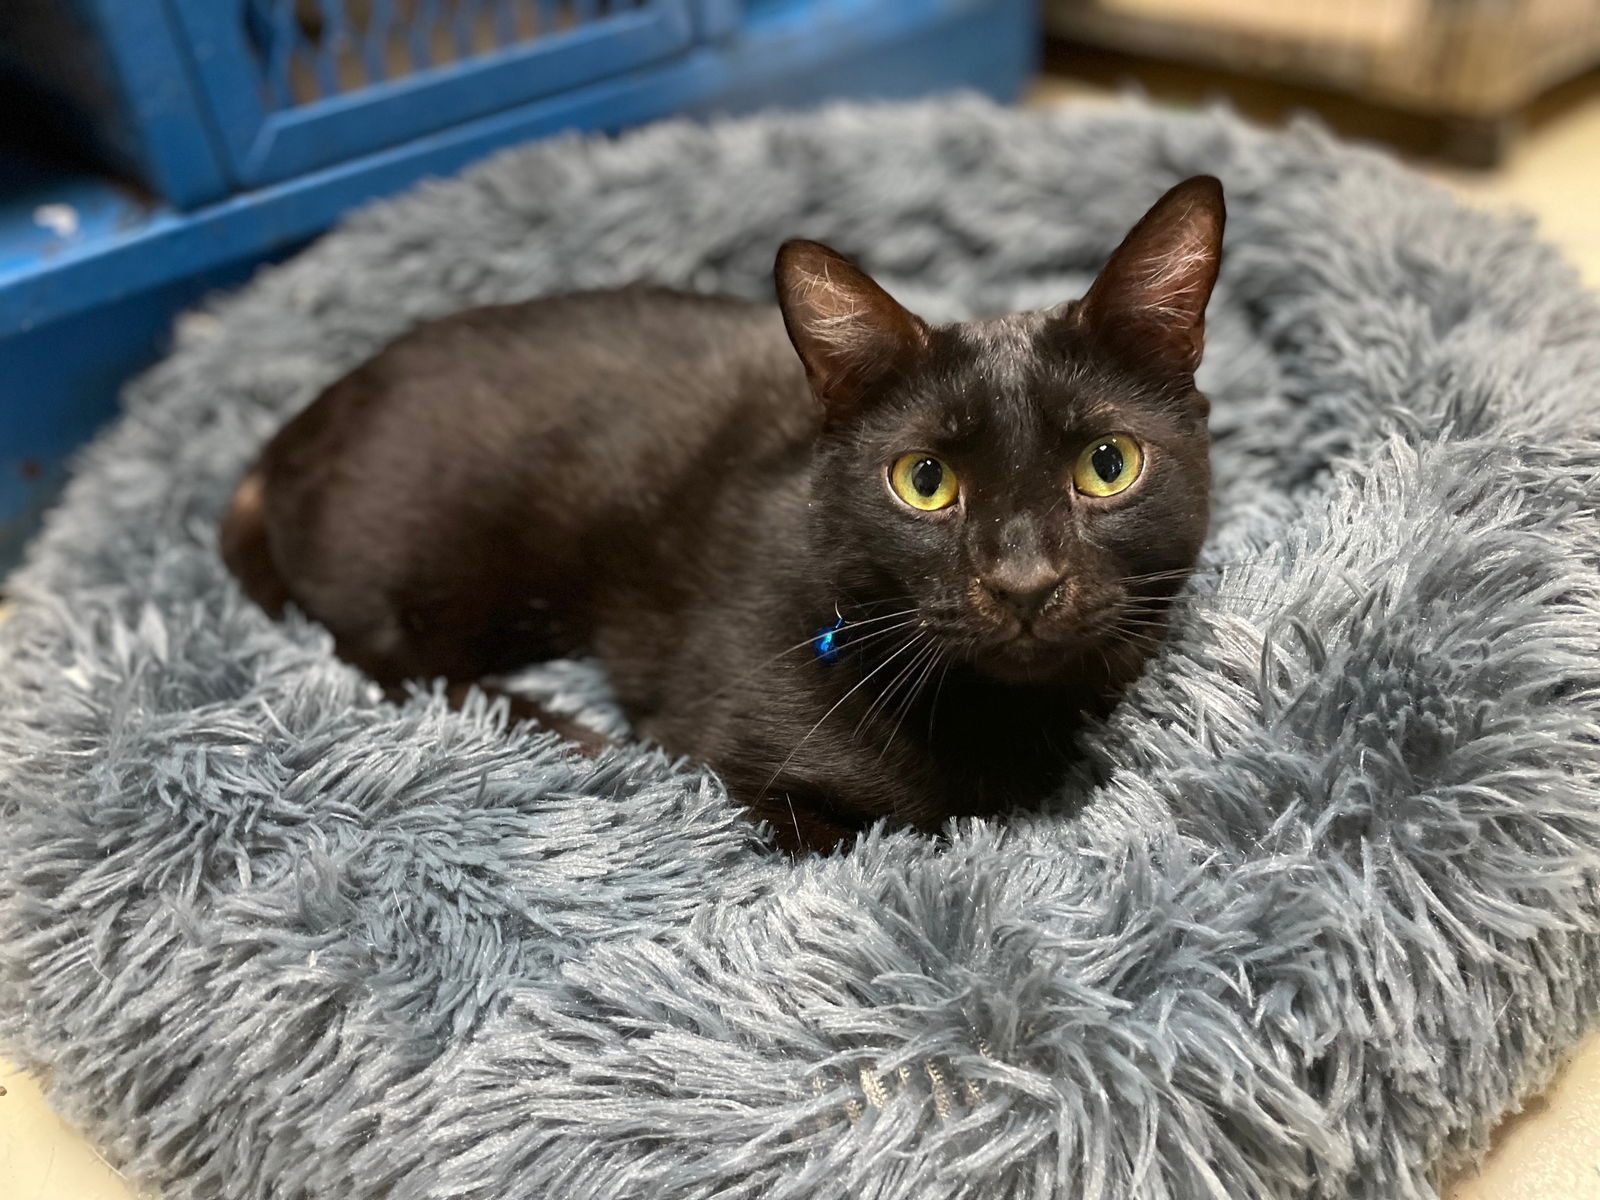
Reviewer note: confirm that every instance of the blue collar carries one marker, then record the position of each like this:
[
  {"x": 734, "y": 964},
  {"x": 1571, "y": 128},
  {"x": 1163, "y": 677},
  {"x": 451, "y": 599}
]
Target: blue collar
[{"x": 826, "y": 643}]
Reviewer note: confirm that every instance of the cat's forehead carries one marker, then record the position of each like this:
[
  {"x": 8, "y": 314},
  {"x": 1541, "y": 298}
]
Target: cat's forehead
[
  {"x": 1015, "y": 369},
  {"x": 1008, "y": 349}
]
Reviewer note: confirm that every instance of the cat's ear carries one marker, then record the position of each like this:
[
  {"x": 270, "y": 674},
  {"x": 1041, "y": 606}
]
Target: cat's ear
[
  {"x": 1152, "y": 294},
  {"x": 848, "y": 331}
]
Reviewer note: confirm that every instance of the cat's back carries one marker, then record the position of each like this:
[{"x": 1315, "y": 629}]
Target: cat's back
[
  {"x": 617, "y": 390},
  {"x": 647, "y": 354}
]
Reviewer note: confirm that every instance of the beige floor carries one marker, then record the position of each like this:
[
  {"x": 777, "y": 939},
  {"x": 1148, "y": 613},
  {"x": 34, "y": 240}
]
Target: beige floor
[{"x": 1552, "y": 1150}]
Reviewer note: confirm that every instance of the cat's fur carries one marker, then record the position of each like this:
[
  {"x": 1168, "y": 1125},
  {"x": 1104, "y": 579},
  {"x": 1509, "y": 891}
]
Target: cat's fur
[{"x": 656, "y": 479}]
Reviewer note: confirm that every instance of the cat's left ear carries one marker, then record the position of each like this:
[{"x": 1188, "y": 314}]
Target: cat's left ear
[
  {"x": 848, "y": 331},
  {"x": 1152, "y": 294}
]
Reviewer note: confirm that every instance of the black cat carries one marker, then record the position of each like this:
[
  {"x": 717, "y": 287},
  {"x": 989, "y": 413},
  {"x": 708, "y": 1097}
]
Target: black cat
[{"x": 886, "y": 578}]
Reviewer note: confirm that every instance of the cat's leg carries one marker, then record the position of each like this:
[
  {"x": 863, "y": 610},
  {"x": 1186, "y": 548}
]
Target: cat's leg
[
  {"x": 245, "y": 548},
  {"x": 807, "y": 823},
  {"x": 586, "y": 741}
]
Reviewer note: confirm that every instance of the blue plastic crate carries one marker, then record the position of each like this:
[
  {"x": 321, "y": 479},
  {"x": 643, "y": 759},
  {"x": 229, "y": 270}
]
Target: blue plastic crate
[
  {"x": 169, "y": 146},
  {"x": 337, "y": 79}
]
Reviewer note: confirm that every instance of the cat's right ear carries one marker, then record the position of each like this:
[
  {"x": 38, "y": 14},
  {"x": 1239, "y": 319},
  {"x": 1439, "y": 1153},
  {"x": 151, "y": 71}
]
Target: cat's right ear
[{"x": 848, "y": 331}]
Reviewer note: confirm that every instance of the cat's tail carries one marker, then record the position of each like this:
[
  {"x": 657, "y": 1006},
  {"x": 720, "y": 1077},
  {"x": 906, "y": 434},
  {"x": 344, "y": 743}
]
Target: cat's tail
[{"x": 246, "y": 548}]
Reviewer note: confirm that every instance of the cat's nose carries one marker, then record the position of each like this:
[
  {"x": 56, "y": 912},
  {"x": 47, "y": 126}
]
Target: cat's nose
[{"x": 1024, "y": 587}]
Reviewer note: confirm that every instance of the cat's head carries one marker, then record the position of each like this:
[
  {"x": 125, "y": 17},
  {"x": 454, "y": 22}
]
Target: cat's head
[{"x": 1034, "y": 487}]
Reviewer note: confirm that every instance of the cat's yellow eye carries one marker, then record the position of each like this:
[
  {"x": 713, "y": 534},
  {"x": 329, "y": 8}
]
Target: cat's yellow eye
[
  {"x": 1108, "y": 465},
  {"x": 923, "y": 482}
]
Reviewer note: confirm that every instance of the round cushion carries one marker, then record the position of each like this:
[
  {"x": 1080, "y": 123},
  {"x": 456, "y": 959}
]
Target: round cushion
[{"x": 1319, "y": 906}]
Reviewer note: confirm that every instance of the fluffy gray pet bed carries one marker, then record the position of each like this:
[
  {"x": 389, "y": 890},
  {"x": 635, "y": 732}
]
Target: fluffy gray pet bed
[{"x": 1333, "y": 913}]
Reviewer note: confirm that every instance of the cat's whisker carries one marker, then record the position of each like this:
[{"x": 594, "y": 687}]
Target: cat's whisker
[
  {"x": 808, "y": 644},
  {"x": 881, "y": 700},
  {"x": 1195, "y": 598},
  {"x": 1127, "y": 624},
  {"x": 1199, "y": 568},
  {"x": 933, "y": 705},
  {"x": 1134, "y": 619},
  {"x": 806, "y": 737},
  {"x": 910, "y": 646},
  {"x": 855, "y": 645},
  {"x": 1238, "y": 603},
  {"x": 882, "y": 704},
  {"x": 1157, "y": 576},
  {"x": 1155, "y": 612},
  {"x": 1138, "y": 612},
  {"x": 930, "y": 660},
  {"x": 1147, "y": 638},
  {"x": 853, "y": 622},
  {"x": 1138, "y": 637}
]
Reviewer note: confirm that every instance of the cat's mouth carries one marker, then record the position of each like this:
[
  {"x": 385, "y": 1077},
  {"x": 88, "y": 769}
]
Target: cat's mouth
[
  {"x": 1033, "y": 643},
  {"x": 1052, "y": 646},
  {"x": 1026, "y": 658}
]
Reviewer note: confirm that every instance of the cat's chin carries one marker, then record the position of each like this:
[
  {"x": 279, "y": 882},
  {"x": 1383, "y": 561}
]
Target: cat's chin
[{"x": 1027, "y": 659}]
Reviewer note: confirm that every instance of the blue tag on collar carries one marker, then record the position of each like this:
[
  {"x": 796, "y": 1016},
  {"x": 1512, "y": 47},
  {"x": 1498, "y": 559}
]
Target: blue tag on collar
[{"x": 826, "y": 644}]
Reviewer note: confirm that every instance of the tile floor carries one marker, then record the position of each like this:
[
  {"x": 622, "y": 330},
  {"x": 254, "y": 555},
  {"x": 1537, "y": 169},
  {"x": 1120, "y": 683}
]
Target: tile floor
[{"x": 1549, "y": 1152}]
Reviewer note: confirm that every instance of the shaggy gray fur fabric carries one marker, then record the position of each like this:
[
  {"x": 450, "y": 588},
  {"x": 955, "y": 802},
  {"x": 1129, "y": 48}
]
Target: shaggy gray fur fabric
[{"x": 1330, "y": 910}]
